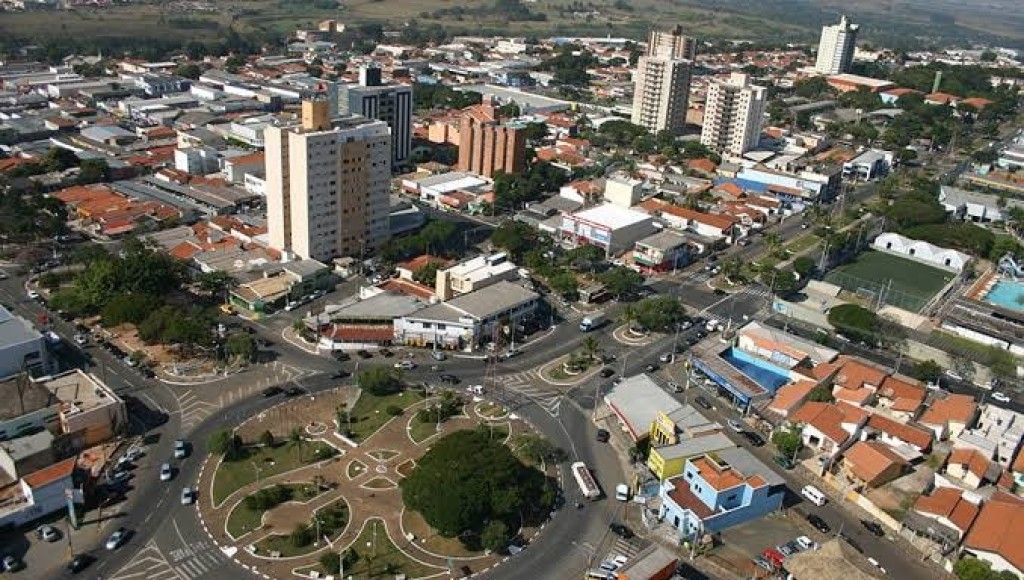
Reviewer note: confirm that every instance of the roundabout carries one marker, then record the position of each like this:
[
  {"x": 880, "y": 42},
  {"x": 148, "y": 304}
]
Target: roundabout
[{"x": 297, "y": 495}]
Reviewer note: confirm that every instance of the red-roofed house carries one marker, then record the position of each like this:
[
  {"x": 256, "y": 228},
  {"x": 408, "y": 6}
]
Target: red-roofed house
[
  {"x": 684, "y": 218},
  {"x": 972, "y": 468},
  {"x": 789, "y": 397},
  {"x": 951, "y": 508},
  {"x": 949, "y": 417},
  {"x": 407, "y": 269},
  {"x": 828, "y": 427},
  {"x": 855, "y": 381},
  {"x": 902, "y": 396},
  {"x": 37, "y": 494},
  {"x": 941, "y": 99},
  {"x": 895, "y": 433},
  {"x": 995, "y": 535},
  {"x": 871, "y": 464}
]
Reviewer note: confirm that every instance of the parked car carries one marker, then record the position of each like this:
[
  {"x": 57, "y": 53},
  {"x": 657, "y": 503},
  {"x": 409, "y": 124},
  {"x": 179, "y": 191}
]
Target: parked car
[
  {"x": 363, "y": 353},
  {"x": 819, "y": 523},
  {"x": 607, "y": 372},
  {"x": 438, "y": 355},
  {"x": 294, "y": 391},
  {"x": 874, "y": 527},
  {"x": 603, "y": 435},
  {"x": 701, "y": 401},
  {"x": 341, "y": 356},
  {"x": 788, "y": 549},
  {"x": 1000, "y": 397},
  {"x": 116, "y": 539},
  {"x": 735, "y": 425},
  {"x": 449, "y": 378},
  {"x": 754, "y": 439},
  {"x": 784, "y": 462},
  {"x": 386, "y": 353},
  {"x": 79, "y": 562},
  {"x": 165, "y": 472},
  {"x": 675, "y": 387},
  {"x": 875, "y": 563},
  {"x": 272, "y": 391},
  {"x": 81, "y": 339},
  {"x": 806, "y": 543},
  {"x": 621, "y": 530},
  {"x": 12, "y": 564},
  {"x": 666, "y": 357},
  {"x": 405, "y": 365},
  {"x": 180, "y": 450},
  {"x": 651, "y": 368}
]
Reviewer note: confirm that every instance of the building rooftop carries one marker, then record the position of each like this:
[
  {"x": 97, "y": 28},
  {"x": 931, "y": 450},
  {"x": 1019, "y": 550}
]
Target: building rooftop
[
  {"x": 950, "y": 503},
  {"x": 28, "y": 445},
  {"x": 79, "y": 391},
  {"x": 794, "y": 345},
  {"x": 381, "y": 306},
  {"x": 637, "y": 400},
  {"x": 15, "y": 329},
  {"x": 490, "y": 300},
  {"x": 648, "y": 563},
  {"x": 746, "y": 463},
  {"x": 20, "y": 395},
  {"x": 869, "y": 459},
  {"x": 692, "y": 446},
  {"x": 953, "y": 408},
  {"x": 50, "y": 474},
  {"x": 611, "y": 216},
  {"x": 997, "y": 529}
]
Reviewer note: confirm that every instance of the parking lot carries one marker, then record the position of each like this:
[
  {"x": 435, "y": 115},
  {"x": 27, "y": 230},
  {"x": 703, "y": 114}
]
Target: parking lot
[{"x": 740, "y": 544}]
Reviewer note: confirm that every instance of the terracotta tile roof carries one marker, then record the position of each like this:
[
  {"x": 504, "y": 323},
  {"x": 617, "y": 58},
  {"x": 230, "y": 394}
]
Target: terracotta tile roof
[
  {"x": 896, "y": 387},
  {"x": 857, "y": 396},
  {"x": 719, "y": 478},
  {"x": 730, "y": 188},
  {"x": 407, "y": 287},
  {"x": 997, "y": 529},
  {"x": 717, "y": 221},
  {"x": 50, "y": 474},
  {"x": 358, "y": 332},
  {"x": 789, "y": 395},
  {"x": 949, "y": 503},
  {"x": 976, "y": 102},
  {"x": 900, "y": 91},
  {"x": 13, "y": 162},
  {"x": 954, "y": 408},
  {"x": 916, "y": 436},
  {"x": 762, "y": 202},
  {"x": 855, "y": 373},
  {"x": 703, "y": 164},
  {"x": 684, "y": 498},
  {"x": 246, "y": 159},
  {"x": 944, "y": 98},
  {"x": 421, "y": 261},
  {"x": 971, "y": 459},
  {"x": 824, "y": 417},
  {"x": 869, "y": 459}
]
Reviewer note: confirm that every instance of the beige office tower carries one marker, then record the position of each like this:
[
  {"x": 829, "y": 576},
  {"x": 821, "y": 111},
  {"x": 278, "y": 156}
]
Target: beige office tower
[
  {"x": 836, "y": 47},
  {"x": 672, "y": 44},
  {"x": 327, "y": 184},
  {"x": 733, "y": 114},
  {"x": 661, "y": 93}
]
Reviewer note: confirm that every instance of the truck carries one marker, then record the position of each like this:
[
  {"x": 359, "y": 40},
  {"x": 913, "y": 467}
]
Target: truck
[
  {"x": 592, "y": 321},
  {"x": 585, "y": 479}
]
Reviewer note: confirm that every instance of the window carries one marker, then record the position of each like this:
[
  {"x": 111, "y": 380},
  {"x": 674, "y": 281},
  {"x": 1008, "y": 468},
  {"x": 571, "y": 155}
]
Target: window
[{"x": 731, "y": 497}]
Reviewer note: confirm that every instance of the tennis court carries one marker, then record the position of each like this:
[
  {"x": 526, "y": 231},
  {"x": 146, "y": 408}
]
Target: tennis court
[{"x": 906, "y": 284}]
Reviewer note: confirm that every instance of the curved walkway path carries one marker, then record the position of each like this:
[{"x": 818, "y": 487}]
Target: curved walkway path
[{"x": 371, "y": 494}]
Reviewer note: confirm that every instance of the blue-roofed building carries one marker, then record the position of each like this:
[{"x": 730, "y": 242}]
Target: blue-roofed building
[{"x": 806, "y": 187}]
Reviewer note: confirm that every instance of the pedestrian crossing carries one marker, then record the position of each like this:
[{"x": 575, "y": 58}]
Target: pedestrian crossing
[
  {"x": 526, "y": 384},
  {"x": 200, "y": 559},
  {"x": 193, "y": 410}
]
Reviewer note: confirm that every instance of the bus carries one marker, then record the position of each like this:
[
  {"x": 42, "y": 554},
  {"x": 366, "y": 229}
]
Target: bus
[{"x": 585, "y": 480}]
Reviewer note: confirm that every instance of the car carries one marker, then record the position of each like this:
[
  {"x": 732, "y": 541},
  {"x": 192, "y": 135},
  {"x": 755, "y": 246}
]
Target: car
[
  {"x": 784, "y": 462},
  {"x": 511, "y": 353},
  {"x": 607, "y": 372},
  {"x": 754, "y": 439},
  {"x": 11, "y": 564},
  {"x": 701, "y": 401},
  {"x": 294, "y": 391},
  {"x": 675, "y": 387},
  {"x": 386, "y": 353},
  {"x": 116, "y": 539},
  {"x": 806, "y": 543},
  {"x": 621, "y": 530},
  {"x": 363, "y": 353},
  {"x": 341, "y": 374},
  {"x": 953, "y": 375},
  {"x": 33, "y": 295},
  {"x": 875, "y": 563},
  {"x": 405, "y": 365},
  {"x": 341, "y": 356},
  {"x": 81, "y": 339},
  {"x": 651, "y": 368},
  {"x": 3, "y": 275},
  {"x": 165, "y": 472},
  {"x": 449, "y": 378},
  {"x": 874, "y": 527},
  {"x": 118, "y": 476},
  {"x": 48, "y": 533},
  {"x": 292, "y": 306},
  {"x": 607, "y": 358},
  {"x": 180, "y": 450},
  {"x": 1000, "y": 397},
  {"x": 187, "y": 496},
  {"x": 818, "y": 523},
  {"x": 666, "y": 357},
  {"x": 603, "y": 435},
  {"x": 735, "y": 425},
  {"x": 761, "y": 562},
  {"x": 79, "y": 562},
  {"x": 272, "y": 391},
  {"x": 438, "y": 355},
  {"x": 788, "y": 549}
]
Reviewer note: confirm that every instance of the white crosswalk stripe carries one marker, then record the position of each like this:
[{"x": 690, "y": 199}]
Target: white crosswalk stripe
[{"x": 527, "y": 384}]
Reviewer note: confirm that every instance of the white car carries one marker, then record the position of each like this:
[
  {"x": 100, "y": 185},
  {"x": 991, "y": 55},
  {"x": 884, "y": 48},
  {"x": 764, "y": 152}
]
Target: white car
[
  {"x": 48, "y": 533},
  {"x": 1000, "y": 397},
  {"x": 32, "y": 294},
  {"x": 116, "y": 539},
  {"x": 806, "y": 543},
  {"x": 165, "y": 472},
  {"x": 179, "y": 449},
  {"x": 875, "y": 563},
  {"x": 953, "y": 375},
  {"x": 10, "y": 564},
  {"x": 405, "y": 365},
  {"x": 666, "y": 357},
  {"x": 187, "y": 497},
  {"x": 735, "y": 425}
]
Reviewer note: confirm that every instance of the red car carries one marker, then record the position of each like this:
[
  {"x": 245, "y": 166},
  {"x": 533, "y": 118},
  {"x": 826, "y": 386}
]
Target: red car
[{"x": 774, "y": 556}]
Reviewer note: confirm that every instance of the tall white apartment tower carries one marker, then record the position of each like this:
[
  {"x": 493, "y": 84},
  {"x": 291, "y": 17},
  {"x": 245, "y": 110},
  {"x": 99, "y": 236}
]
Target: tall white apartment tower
[
  {"x": 327, "y": 184},
  {"x": 661, "y": 91},
  {"x": 391, "y": 103},
  {"x": 835, "y": 51},
  {"x": 733, "y": 114}
]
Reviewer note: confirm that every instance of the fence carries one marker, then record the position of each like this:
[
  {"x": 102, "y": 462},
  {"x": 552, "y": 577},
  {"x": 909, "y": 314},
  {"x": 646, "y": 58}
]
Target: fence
[{"x": 872, "y": 289}]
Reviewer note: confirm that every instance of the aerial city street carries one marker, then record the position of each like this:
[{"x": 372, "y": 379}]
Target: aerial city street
[{"x": 509, "y": 289}]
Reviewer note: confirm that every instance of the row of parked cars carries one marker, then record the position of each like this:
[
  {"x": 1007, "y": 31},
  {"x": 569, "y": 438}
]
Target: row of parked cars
[{"x": 772, "y": 559}]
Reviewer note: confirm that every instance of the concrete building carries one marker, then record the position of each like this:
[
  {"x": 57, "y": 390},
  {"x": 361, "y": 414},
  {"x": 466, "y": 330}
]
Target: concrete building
[
  {"x": 39, "y": 493},
  {"x": 391, "y": 103},
  {"x": 835, "y": 50},
  {"x": 327, "y": 184},
  {"x": 871, "y": 164},
  {"x": 623, "y": 190},
  {"x": 719, "y": 490},
  {"x": 22, "y": 347},
  {"x": 486, "y": 146},
  {"x": 733, "y": 113},
  {"x": 661, "y": 93},
  {"x": 610, "y": 227},
  {"x": 474, "y": 274},
  {"x": 672, "y": 44}
]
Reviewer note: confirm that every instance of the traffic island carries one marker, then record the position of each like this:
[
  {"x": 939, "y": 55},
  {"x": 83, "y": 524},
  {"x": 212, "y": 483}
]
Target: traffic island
[
  {"x": 556, "y": 373},
  {"x": 630, "y": 337}
]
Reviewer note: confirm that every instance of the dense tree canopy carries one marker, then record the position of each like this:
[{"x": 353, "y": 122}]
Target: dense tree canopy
[{"x": 470, "y": 478}]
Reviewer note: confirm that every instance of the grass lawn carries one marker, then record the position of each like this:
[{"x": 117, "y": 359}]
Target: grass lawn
[
  {"x": 492, "y": 410},
  {"x": 912, "y": 284},
  {"x": 243, "y": 519},
  {"x": 369, "y": 412},
  {"x": 803, "y": 243},
  {"x": 233, "y": 475},
  {"x": 333, "y": 518},
  {"x": 420, "y": 431},
  {"x": 382, "y": 559}
]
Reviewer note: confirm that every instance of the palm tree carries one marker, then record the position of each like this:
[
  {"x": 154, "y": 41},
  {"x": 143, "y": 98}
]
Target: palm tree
[
  {"x": 731, "y": 269},
  {"x": 590, "y": 347},
  {"x": 295, "y": 438},
  {"x": 629, "y": 315},
  {"x": 772, "y": 242}
]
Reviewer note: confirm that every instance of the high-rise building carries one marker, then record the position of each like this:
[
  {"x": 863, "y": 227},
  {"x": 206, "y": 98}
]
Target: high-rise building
[
  {"x": 835, "y": 51},
  {"x": 391, "y": 103},
  {"x": 672, "y": 44},
  {"x": 661, "y": 90},
  {"x": 733, "y": 113},
  {"x": 327, "y": 184},
  {"x": 486, "y": 146}
]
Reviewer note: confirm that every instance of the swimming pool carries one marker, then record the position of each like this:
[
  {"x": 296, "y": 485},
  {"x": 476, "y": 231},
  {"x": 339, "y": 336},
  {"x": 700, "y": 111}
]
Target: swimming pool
[
  {"x": 1007, "y": 293},
  {"x": 760, "y": 371}
]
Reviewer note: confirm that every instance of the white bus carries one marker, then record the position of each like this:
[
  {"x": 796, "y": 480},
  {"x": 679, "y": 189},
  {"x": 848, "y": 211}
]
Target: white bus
[{"x": 585, "y": 480}]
